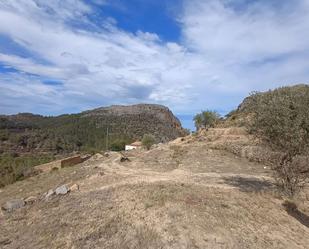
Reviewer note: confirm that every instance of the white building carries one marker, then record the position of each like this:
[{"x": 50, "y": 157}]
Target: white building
[{"x": 133, "y": 146}]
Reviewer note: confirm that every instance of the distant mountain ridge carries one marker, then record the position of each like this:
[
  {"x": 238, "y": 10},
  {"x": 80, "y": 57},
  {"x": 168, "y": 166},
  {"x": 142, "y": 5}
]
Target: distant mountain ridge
[
  {"x": 157, "y": 120},
  {"x": 88, "y": 129}
]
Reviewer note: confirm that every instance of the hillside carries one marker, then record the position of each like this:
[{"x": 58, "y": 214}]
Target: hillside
[
  {"x": 87, "y": 130},
  {"x": 27, "y": 139},
  {"x": 241, "y": 116},
  {"x": 215, "y": 189},
  {"x": 188, "y": 193}
]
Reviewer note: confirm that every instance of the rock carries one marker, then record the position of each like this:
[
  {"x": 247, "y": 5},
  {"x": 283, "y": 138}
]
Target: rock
[
  {"x": 30, "y": 200},
  {"x": 30, "y": 172},
  {"x": 49, "y": 194},
  {"x": 124, "y": 159},
  {"x": 97, "y": 156},
  {"x": 106, "y": 154},
  {"x": 5, "y": 242},
  {"x": 13, "y": 205},
  {"x": 74, "y": 187},
  {"x": 62, "y": 190}
]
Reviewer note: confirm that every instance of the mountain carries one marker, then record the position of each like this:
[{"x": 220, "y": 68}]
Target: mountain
[{"x": 88, "y": 130}]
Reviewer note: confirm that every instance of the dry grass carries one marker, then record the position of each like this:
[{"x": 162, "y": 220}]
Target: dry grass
[{"x": 176, "y": 196}]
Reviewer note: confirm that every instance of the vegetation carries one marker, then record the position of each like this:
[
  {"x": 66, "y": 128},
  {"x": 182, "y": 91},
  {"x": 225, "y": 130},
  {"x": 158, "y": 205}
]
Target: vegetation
[
  {"x": 14, "y": 167},
  {"x": 59, "y": 135},
  {"x": 91, "y": 131},
  {"x": 281, "y": 118},
  {"x": 206, "y": 119},
  {"x": 148, "y": 141},
  {"x": 119, "y": 144}
]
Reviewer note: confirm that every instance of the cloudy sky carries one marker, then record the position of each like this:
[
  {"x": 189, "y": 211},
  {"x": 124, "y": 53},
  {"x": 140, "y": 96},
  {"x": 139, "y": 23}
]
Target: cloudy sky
[{"x": 65, "y": 56}]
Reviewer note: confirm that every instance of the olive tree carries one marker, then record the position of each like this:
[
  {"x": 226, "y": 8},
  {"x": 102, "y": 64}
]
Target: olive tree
[
  {"x": 281, "y": 118},
  {"x": 206, "y": 119},
  {"x": 148, "y": 140}
]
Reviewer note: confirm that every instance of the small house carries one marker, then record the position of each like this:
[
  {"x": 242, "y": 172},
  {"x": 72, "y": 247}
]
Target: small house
[{"x": 133, "y": 146}]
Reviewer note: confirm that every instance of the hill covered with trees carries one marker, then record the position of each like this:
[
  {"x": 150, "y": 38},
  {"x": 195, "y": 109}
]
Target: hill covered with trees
[
  {"x": 91, "y": 130},
  {"x": 27, "y": 139}
]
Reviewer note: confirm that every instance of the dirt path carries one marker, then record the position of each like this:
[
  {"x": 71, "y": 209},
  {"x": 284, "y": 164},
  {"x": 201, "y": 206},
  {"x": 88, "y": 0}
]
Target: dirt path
[{"x": 132, "y": 175}]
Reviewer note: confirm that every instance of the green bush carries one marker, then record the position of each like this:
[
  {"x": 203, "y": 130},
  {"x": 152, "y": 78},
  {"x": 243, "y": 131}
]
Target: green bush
[
  {"x": 118, "y": 145},
  {"x": 148, "y": 141},
  {"x": 281, "y": 118}
]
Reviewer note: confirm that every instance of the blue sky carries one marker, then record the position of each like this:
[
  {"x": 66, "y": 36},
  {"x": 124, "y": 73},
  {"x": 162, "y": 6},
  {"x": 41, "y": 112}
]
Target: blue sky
[{"x": 66, "y": 56}]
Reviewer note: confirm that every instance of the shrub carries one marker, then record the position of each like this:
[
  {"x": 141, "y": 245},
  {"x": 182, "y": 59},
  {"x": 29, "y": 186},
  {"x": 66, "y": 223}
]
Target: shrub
[
  {"x": 4, "y": 135},
  {"x": 118, "y": 145},
  {"x": 148, "y": 141},
  {"x": 206, "y": 119},
  {"x": 281, "y": 118}
]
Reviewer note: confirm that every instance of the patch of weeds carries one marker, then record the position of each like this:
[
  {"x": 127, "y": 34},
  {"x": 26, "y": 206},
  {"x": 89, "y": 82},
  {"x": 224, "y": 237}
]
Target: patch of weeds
[
  {"x": 178, "y": 153},
  {"x": 118, "y": 233},
  {"x": 148, "y": 204},
  {"x": 174, "y": 213},
  {"x": 147, "y": 237},
  {"x": 54, "y": 169},
  {"x": 224, "y": 205}
]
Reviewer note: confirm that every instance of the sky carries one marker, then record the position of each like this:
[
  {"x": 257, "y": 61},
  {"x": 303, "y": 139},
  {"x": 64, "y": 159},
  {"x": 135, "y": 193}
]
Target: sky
[{"x": 67, "y": 56}]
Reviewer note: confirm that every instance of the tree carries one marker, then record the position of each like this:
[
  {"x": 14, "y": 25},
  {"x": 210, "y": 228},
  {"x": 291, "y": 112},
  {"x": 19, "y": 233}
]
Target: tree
[
  {"x": 198, "y": 121},
  {"x": 281, "y": 118},
  {"x": 148, "y": 141},
  {"x": 206, "y": 119}
]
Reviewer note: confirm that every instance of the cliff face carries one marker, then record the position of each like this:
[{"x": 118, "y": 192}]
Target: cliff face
[{"x": 137, "y": 120}]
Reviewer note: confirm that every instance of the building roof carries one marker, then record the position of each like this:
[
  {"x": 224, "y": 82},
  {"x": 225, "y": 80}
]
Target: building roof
[{"x": 136, "y": 143}]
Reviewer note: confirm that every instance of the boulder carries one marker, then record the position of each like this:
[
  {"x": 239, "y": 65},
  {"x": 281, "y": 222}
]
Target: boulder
[
  {"x": 124, "y": 159},
  {"x": 62, "y": 190},
  {"x": 30, "y": 172},
  {"x": 49, "y": 194},
  {"x": 74, "y": 187},
  {"x": 30, "y": 200},
  {"x": 13, "y": 205}
]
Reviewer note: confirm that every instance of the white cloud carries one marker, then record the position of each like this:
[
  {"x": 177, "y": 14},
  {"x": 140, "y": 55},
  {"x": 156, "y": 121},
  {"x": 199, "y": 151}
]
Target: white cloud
[
  {"x": 226, "y": 51},
  {"x": 255, "y": 47}
]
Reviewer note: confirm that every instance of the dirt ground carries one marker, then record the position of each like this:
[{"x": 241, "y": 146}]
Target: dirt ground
[{"x": 184, "y": 194}]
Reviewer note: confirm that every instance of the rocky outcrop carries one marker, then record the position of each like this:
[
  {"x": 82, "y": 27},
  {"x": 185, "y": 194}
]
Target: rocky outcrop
[{"x": 137, "y": 120}]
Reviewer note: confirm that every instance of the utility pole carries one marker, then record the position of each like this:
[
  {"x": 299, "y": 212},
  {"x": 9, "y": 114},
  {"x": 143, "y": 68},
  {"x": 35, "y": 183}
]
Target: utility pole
[{"x": 106, "y": 139}]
